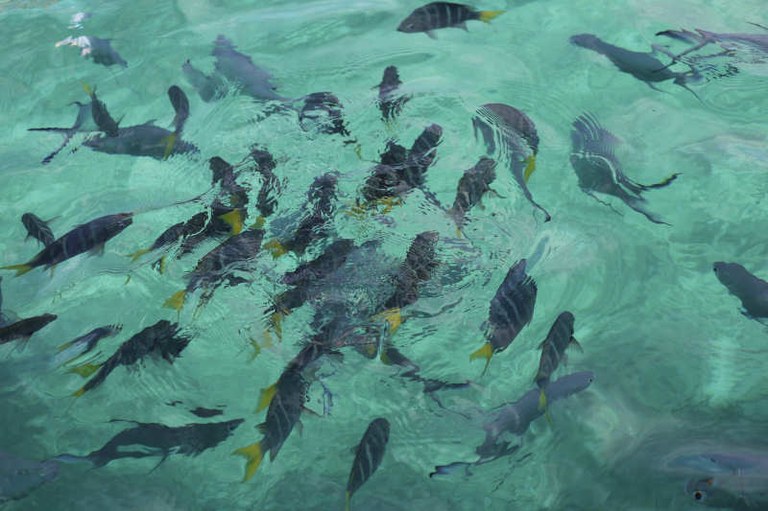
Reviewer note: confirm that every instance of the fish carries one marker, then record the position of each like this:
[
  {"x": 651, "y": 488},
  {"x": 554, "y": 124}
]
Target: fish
[
  {"x": 738, "y": 492},
  {"x": 473, "y": 185},
  {"x": 144, "y": 440},
  {"x": 642, "y": 65},
  {"x": 83, "y": 124},
  {"x": 553, "y": 348},
  {"x": 511, "y": 310},
  {"x": 420, "y": 262},
  {"x": 101, "y": 116},
  {"x": 751, "y": 290},
  {"x": 218, "y": 265},
  {"x": 20, "y": 476},
  {"x": 99, "y": 50},
  {"x": 735, "y": 45},
  {"x": 173, "y": 234},
  {"x": 599, "y": 170},
  {"x": 37, "y": 228},
  {"x": 390, "y": 102},
  {"x": 283, "y": 414},
  {"x": 323, "y": 112},
  {"x": 436, "y": 15},
  {"x": 313, "y": 226},
  {"x": 84, "y": 343},
  {"x": 161, "y": 339},
  {"x": 209, "y": 87},
  {"x": 90, "y": 236},
  {"x": 24, "y": 328},
  {"x": 180, "y": 104},
  {"x": 264, "y": 164},
  {"x": 239, "y": 69},
  {"x": 368, "y": 455},
  {"x": 517, "y": 139},
  {"x": 141, "y": 140}
]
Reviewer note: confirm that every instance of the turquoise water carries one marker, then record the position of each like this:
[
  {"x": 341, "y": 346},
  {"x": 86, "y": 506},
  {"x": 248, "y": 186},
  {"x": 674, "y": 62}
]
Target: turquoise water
[{"x": 678, "y": 368}]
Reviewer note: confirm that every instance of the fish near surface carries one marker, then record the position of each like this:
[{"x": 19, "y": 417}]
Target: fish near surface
[
  {"x": 84, "y": 344},
  {"x": 90, "y": 236},
  {"x": 324, "y": 111},
  {"x": 511, "y": 310},
  {"x": 734, "y": 491},
  {"x": 152, "y": 439},
  {"x": 751, "y": 290},
  {"x": 239, "y": 69},
  {"x": 19, "y": 476},
  {"x": 733, "y": 44},
  {"x": 37, "y": 228},
  {"x": 436, "y": 15},
  {"x": 368, "y": 455},
  {"x": 473, "y": 185},
  {"x": 599, "y": 170},
  {"x": 390, "y": 101},
  {"x": 209, "y": 87},
  {"x": 174, "y": 233},
  {"x": 83, "y": 124},
  {"x": 553, "y": 348},
  {"x": 100, "y": 50},
  {"x": 513, "y": 134},
  {"x": 141, "y": 140},
  {"x": 24, "y": 328}
]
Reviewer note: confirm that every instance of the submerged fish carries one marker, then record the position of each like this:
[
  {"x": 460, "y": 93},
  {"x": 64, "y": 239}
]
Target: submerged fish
[
  {"x": 368, "y": 455},
  {"x": 83, "y": 124},
  {"x": 475, "y": 183},
  {"x": 553, "y": 348},
  {"x": 209, "y": 87},
  {"x": 599, "y": 171},
  {"x": 323, "y": 112},
  {"x": 733, "y": 44},
  {"x": 24, "y": 328},
  {"x": 517, "y": 139},
  {"x": 511, "y": 310},
  {"x": 141, "y": 140},
  {"x": 180, "y": 104},
  {"x": 239, "y": 69},
  {"x": 264, "y": 164},
  {"x": 390, "y": 102},
  {"x": 85, "y": 343},
  {"x": 173, "y": 234},
  {"x": 37, "y": 228},
  {"x": 161, "y": 339},
  {"x": 151, "y": 439},
  {"x": 435, "y": 15},
  {"x": 90, "y": 236},
  {"x": 19, "y": 476},
  {"x": 101, "y": 117},
  {"x": 751, "y": 290},
  {"x": 737, "y": 492},
  {"x": 100, "y": 50}
]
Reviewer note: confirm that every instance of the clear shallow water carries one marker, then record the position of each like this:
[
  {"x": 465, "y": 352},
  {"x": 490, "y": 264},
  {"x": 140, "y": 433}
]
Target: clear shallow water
[{"x": 677, "y": 365}]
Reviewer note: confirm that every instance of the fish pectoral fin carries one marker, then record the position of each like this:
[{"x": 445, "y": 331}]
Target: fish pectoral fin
[
  {"x": 576, "y": 344},
  {"x": 97, "y": 250},
  {"x": 136, "y": 255},
  {"x": 235, "y": 219},
  {"x": 487, "y": 16},
  {"x": 266, "y": 396},
  {"x": 530, "y": 167},
  {"x": 20, "y": 269},
  {"x": 275, "y": 248},
  {"x": 254, "y": 455},
  {"x": 170, "y": 142},
  {"x": 431, "y": 34},
  {"x": 486, "y": 352},
  {"x": 176, "y": 301},
  {"x": 393, "y": 317},
  {"x": 85, "y": 370},
  {"x": 463, "y": 26}
]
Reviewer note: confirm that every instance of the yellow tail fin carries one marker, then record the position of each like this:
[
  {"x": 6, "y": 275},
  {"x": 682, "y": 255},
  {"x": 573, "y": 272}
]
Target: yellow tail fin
[
  {"x": 176, "y": 301},
  {"x": 393, "y": 317},
  {"x": 487, "y": 16},
  {"x": 276, "y": 324},
  {"x": 161, "y": 268},
  {"x": 485, "y": 352},
  {"x": 64, "y": 346},
  {"x": 266, "y": 396},
  {"x": 79, "y": 392},
  {"x": 276, "y": 248},
  {"x": 170, "y": 141},
  {"x": 234, "y": 219},
  {"x": 88, "y": 90},
  {"x": 348, "y": 502},
  {"x": 138, "y": 254},
  {"x": 85, "y": 370},
  {"x": 259, "y": 223},
  {"x": 530, "y": 166},
  {"x": 253, "y": 454},
  {"x": 542, "y": 400},
  {"x": 20, "y": 269}
]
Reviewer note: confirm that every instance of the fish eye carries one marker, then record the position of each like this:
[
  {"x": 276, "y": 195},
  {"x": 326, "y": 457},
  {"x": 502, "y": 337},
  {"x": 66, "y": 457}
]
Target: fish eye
[{"x": 698, "y": 495}]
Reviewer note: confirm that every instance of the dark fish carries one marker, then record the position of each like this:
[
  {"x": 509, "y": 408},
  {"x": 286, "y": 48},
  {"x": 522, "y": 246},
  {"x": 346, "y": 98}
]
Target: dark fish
[
  {"x": 150, "y": 439},
  {"x": 101, "y": 117},
  {"x": 240, "y": 70},
  {"x": 85, "y": 343},
  {"x": 735, "y": 45},
  {"x": 283, "y": 414},
  {"x": 90, "y": 236},
  {"x": 553, "y": 348},
  {"x": 432, "y": 16},
  {"x": 475, "y": 183},
  {"x": 313, "y": 225},
  {"x": 174, "y": 233},
  {"x": 161, "y": 339},
  {"x": 511, "y": 309},
  {"x": 751, "y": 290},
  {"x": 180, "y": 104},
  {"x": 642, "y": 65},
  {"x": 390, "y": 102},
  {"x": 83, "y": 124},
  {"x": 142, "y": 140},
  {"x": 209, "y": 87},
  {"x": 515, "y": 135},
  {"x": 100, "y": 50},
  {"x": 262, "y": 162},
  {"x": 734, "y": 491},
  {"x": 323, "y": 111},
  {"x": 19, "y": 476},
  {"x": 330, "y": 260},
  {"x": 218, "y": 265},
  {"x": 368, "y": 456},
  {"x": 37, "y": 228},
  {"x": 24, "y": 328},
  {"x": 599, "y": 171}
]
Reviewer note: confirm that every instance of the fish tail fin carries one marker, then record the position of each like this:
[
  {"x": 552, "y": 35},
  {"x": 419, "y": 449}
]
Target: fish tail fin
[
  {"x": 530, "y": 166},
  {"x": 88, "y": 90},
  {"x": 64, "y": 346},
  {"x": 20, "y": 269},
  {"x": 161, "y": 264},
  {"x": 85, "y": 370},
  {"x": 235, "y": 221},
  {"x": 136, "y": 255},
  {"x": 542, "y": 400},
  {"x": 259, "y": 223},
  {"x": 276, "y": 324},
  {"x": 347, "y": 501},
  {"x": 487, "y": 16},
  {"x": 266, "y": 396},
  {"x": 176, "y": 301},
  {"x": 276, "y": 248},
  {"x": 256, "y": 350},
  {"x": 253, "y": 454},
  {"x": 393, "y": 317},
  {"x": 486, "y": 352},
  {"x": 170, "y": 142},
  {"x": 79, "y": 392}
]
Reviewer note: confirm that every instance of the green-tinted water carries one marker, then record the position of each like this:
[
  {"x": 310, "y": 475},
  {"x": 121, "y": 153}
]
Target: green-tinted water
[{"x": 678, "y": 368}]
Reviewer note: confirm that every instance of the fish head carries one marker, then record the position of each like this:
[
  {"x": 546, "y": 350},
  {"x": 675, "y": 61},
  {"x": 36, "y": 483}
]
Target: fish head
[
  {"x": 233, "y": 425},
  {"x": 390, "y": 78},
  {"x": 730, "y": 274},
  {"x": 121, "y": 221},
  {"x": 585, "y": 40},
  {"x": 220, "y": 169},
  {"x": 706, "y": 493},
  {"x": 417, "y": 21},
  {"x": 47, "y": 318}
]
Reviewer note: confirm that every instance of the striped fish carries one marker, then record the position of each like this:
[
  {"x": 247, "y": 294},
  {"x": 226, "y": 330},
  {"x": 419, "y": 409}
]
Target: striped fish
[
  {"x": 511, "y": 309},
  {"x": 432, "y": 16},
  {"x": 553, "y": 348},
  {"x": 283, "y": 414},
  {"x": 24, "y": 328},
  {"x": 475, "y": 183},
  {"x": 37, "y": 228},
  {"x": 390, "y": 102},
  {"x": 86, "y": 237},
  {"x": 368, "y": 456}
]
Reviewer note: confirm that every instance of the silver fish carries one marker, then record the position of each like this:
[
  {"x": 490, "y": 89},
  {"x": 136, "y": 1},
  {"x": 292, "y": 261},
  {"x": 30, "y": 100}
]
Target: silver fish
[
  {"x": 751, "y": 290},
  {"x": 238, "y": 68}
]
